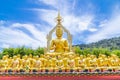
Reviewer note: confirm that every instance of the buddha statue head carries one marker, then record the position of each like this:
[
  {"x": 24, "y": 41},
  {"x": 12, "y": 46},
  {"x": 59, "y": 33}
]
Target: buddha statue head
[
  {"x": 25, "y": 57},
  {"x": 30, "y": 56},
  {"x": 41, "y": 56},
  {"x": 59, "y": 31},
  {"x": 4, "y": 57},
  {"x": 15, "y": 57},
  {"x": 7, "y": 56},
  {"x": 81, "y": 56},
  {"x": 18, "y": 56},
  {"x": 37, "y": 57}
]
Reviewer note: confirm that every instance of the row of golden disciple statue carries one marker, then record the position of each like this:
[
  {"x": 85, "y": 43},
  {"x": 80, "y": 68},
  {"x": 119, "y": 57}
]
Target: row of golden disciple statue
[
  {"x": 61, "y": 58},
  {"x": 60, "y": 61}
]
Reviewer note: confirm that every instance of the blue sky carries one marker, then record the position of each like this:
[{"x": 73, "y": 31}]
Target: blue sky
[{"x": 27, "y": 22}]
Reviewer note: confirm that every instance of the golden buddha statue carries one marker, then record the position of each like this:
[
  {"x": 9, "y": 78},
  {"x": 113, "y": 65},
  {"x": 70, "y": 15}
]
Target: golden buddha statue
[
  {"x": 37, "y": 64},
  {"x": 87, "y": 61},
  {"x": 43, "y": 62},
  {"x": 71, "y": 62},
  {"x": 53, "y": 63},
  {"x": 10, "y": 60},
  {"x": 114, "y": 62},
  {"x": 93, "y": 61},
  {"x": 4, "y": 63},
  {"x": 81, "y": 61},
  {"x": 60, "y": 64},
  {"x": 77, "y": 59},
  {"x": 59, "y": 44},
  {"x": 15, "y": 62},
  {"x": 31, "y": 61},
  {"x": 25, "y": 63},
  {"x": 65, "y": 61}
]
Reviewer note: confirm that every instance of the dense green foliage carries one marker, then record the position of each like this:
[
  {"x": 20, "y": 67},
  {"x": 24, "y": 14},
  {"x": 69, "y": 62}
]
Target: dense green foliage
[
  {"x": 112, "y": 44},
  {"x": 22, "y": 51},
  {"x": 96, "y": 51}
]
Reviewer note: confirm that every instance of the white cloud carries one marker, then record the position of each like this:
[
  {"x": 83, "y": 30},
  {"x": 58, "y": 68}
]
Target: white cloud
[
  {"x": 33, "y": 30},
  {"x": 5, "y": 46},
  {"x": 75, "y": 24},
  {"x": 62, "y": 5},
  {"x": 108, "y": 30},
  {"x": 48, "y": 16},
  {"x": 2, "y": 22},
  {"x": 50, "y": 2},
  {"x": 103, "y": 23},
  {"x": 15, "y": 37},
  {"x": 92, "y": 29}
]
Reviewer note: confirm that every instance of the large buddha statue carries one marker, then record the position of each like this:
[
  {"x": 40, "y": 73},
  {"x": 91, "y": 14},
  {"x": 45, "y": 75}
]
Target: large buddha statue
[{"x": 59, "y": 44}]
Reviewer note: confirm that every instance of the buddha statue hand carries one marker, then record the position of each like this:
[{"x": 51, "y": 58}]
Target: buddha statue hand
[
  {"x": 66, "y": 48},
  {"x": 53, "y": 48}
]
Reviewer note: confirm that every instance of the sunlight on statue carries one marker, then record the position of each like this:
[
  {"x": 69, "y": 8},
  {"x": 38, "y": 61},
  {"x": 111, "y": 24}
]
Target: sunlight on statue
[{"x": 59, "y": 44}]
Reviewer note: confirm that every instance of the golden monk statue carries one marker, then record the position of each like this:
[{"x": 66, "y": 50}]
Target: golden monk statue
[
  {"x": 59, "y": 44},
  {"x": 4, "y": 63}
]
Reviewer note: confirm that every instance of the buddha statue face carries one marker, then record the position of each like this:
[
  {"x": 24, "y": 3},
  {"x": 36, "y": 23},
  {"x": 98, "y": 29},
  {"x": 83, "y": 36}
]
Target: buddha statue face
[
  {"x": 37, "y": 57},
  {"x": 30, "y": 55},
  {"x": 59, "y": 57},
  {"x": 24, "y": 57},
  {"x": 15, "y": 57},
  {"x": 4, "y": 58},
  {"x": 88, "y": 55},
  {"x": 71, "y": 56},
  {"x": 7, "y": 56},
  {"x": 81, "y": 56},
  {"x": 18, "y": 56},
  {"x": 59, "y": 31}
]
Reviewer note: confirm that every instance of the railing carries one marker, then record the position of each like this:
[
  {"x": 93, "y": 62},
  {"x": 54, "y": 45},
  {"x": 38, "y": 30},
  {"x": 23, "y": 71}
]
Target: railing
[{"x": 61, "y": 73}]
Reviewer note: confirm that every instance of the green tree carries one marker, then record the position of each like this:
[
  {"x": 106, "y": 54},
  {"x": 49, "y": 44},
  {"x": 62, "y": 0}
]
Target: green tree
[
  {"x": 39, "y": 51},
  {"x": 8, "y": 51},
  {"x": 78, "y": 50},
  {"x": 116, "y": 52}
]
